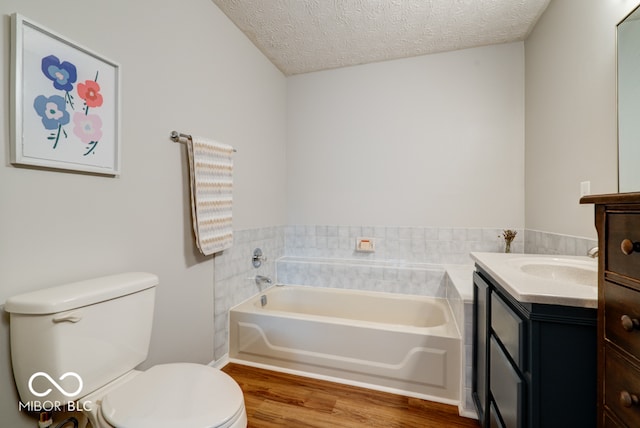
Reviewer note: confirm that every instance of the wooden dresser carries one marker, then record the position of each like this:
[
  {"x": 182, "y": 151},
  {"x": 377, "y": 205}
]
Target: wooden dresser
[{"x": 617, "y": 219}]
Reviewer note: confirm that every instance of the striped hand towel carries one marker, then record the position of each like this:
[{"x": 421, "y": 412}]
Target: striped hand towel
[{"x": 211, "y": 176}]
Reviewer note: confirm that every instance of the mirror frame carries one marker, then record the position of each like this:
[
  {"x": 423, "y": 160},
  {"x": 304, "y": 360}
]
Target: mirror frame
[{"x": 635, "y": 11}]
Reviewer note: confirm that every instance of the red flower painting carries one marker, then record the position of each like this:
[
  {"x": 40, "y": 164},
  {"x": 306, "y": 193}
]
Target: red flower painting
[{"x": 89, "y": 91}]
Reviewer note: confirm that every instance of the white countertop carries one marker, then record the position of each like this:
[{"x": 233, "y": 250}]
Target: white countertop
[{"x": 527, "y": 288}]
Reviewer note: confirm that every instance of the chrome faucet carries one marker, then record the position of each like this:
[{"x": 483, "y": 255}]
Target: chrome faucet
[
  {"x": 261, "y": 279},
  {"x": 593, "y": 252}
]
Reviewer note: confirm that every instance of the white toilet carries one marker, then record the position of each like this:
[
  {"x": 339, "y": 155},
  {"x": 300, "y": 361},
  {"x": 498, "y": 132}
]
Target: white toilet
[{"x": 77, "y": 345}]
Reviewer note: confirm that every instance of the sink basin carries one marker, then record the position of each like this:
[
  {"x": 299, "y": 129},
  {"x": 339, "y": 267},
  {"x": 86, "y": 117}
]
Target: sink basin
[{"x": 569, "y": 270}]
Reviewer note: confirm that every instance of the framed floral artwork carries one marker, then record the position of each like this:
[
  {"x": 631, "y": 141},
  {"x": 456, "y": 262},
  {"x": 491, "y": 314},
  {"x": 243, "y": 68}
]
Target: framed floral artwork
[{"x": 65, "y": 102}]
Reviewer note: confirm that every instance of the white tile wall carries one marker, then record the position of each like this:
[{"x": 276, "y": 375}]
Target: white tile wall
[
  {"x": 408, "y": 260},
  {"x": 234, "y": 279},
  {"x": 537, "y": 242},
  {"x": 402, "y": 244},
  {"x": 373, "y": 275}
]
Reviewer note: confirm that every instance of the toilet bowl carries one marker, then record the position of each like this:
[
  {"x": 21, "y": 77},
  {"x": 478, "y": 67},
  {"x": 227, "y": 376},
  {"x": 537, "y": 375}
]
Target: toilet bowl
[
  {"x": 169, "y": 395},
  {"x": 96, "y": 332}
]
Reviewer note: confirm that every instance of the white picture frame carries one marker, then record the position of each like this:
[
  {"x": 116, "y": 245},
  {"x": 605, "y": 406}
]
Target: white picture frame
[{"x": 65, "y": 103}]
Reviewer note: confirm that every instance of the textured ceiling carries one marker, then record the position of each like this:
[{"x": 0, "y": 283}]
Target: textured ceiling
[{"x": 301, "y": 36}]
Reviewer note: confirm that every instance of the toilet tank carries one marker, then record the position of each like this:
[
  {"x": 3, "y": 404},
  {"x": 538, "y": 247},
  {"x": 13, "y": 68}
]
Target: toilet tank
[{"x": 67, "y": 341}]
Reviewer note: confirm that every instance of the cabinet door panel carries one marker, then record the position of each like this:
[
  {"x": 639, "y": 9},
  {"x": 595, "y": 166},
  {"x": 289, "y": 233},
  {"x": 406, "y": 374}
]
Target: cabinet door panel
[
  {"x": 494, "y": 419},
  {"x": 509, "y": 328},
  {"x": 507, "y": 388},
  {"x": 480, "y": 347}
]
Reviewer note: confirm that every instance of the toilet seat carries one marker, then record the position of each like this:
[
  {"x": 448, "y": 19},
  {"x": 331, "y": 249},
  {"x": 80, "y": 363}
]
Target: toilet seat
[{"x": 176, "y": 395}]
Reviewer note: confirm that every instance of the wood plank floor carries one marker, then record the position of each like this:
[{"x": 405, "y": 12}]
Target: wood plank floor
[{"x": 276, "y": 399}]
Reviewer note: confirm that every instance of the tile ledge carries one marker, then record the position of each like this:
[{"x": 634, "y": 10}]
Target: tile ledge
[
  {"x": 461, "y": 276},
  {"x": 387, "y": 263}
]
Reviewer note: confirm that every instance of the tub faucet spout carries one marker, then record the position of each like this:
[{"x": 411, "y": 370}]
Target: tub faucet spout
[
  {"x": 593, "y": 252},
  {"x": 261, "y": 279}
]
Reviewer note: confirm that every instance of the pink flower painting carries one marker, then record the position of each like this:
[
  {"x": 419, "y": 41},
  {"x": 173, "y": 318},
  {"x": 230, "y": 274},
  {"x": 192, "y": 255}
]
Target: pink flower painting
[{"x": 88, "y": 127}]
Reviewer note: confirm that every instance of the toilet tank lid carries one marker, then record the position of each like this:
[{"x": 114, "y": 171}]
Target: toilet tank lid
[{"x": 82, "y": 293}]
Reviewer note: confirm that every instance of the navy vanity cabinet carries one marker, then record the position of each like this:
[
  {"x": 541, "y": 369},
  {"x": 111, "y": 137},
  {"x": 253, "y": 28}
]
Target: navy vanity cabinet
[{"x": 534, "y": 365}]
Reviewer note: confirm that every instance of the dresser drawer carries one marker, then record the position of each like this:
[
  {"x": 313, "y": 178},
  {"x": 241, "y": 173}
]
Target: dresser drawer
[
  {"x": 622, "y": 317},
  {"x": 623, "y": 227},
  {"x": 622, "y": 387},
  {"x": 509, "y": 328}
]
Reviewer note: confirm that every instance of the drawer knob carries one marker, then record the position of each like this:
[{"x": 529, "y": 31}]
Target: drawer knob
[
  {"x": 628, "y": 400},
  {"x": 628, "y": 323},
  {"x": 628, "y": 247}
]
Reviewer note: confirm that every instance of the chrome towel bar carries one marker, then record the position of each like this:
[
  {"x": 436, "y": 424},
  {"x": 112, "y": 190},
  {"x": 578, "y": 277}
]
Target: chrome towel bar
[{"x": 179, "y": 137}]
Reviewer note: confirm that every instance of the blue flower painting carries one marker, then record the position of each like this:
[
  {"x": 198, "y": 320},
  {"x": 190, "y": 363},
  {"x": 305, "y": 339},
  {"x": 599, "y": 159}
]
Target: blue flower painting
[
  {"x": 63, "y": 74},
  {"x": 52, "y": 110}
]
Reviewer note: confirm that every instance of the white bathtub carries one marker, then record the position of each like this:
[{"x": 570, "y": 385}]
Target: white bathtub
[{"x": 403, "y": 344}]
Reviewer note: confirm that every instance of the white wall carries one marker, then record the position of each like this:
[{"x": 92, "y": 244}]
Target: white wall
[
  {"x": 185, "y": 66},
  {"x": 571, "y": 112},
  {"x": 436, "y": 140}
]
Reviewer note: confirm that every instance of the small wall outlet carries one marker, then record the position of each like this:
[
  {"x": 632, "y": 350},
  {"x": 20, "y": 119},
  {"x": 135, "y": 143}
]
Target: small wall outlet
[
  {"x": 585, "y": 188},
  {"x": 365, "y": 245}
]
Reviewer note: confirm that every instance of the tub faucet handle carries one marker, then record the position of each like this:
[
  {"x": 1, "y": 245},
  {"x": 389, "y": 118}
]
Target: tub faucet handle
[{"x": 258, "y": 258}]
